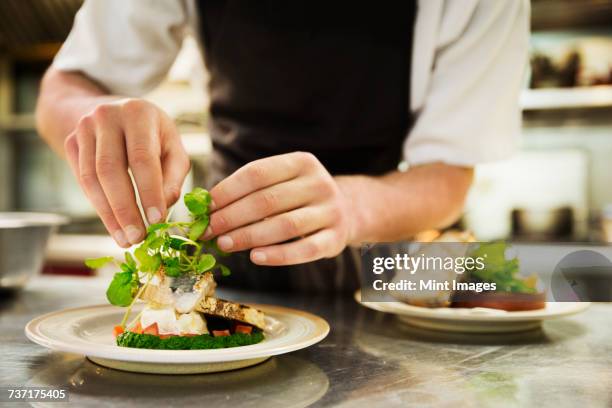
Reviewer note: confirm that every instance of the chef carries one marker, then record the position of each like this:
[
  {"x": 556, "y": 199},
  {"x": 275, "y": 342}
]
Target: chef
[{"x": 313, "y": 106}]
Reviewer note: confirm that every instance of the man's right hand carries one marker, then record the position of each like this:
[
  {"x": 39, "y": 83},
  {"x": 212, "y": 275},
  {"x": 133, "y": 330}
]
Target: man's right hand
[{"x": 127, "y": 134}]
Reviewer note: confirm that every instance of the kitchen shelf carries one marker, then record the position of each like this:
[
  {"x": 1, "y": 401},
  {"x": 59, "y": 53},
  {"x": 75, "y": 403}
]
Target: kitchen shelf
[{"x": 567, "y": 98}]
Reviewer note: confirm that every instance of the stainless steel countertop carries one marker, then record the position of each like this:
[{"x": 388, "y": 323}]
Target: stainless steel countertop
[{"x": 369, "y": 359}]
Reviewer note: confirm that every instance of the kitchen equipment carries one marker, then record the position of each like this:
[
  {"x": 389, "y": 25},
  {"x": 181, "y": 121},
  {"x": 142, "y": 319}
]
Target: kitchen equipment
[
  {"x": 543, "y": 224},
  {"x": 536, "y": 180},
  {"x": 23, "y": 239}
]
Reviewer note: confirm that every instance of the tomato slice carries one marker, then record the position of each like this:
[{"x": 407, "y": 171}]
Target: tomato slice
[
  {"x": 151, "y": 329},
  {"x": 117, "y": 330},
  {"x": 137, "y": 328},
  {"x": 219, "y": 333},
  {"x": 240, "y": 328}
]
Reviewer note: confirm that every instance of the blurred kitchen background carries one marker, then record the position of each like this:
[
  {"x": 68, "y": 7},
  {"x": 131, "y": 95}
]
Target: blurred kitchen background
[{"x": 559, "y": 188}]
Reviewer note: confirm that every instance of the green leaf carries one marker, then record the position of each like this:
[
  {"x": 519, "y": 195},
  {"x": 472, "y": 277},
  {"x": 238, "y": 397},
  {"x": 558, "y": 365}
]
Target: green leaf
[
  {"x": 121, "y": 290},
  {"x": 198, "y": 228},
  {"x": 174, "y": 243},
  {"x": 157, "y": 243},
  {"x": 224, "y": 270},
  {"x": 148, "y": 263},
  {"x": 152, "y": 236},
  {"x": 141, "y": 253},
  {"x": 157, "y": 227},
  {"x": 198, "y": 201},
  {"x": 96, "y": 263},
  {"x": 129, "y": 259},
  {"x": 206, "y": 263},
  {"x": 156, "y": 261},
  {"x": 172, "y": 267},
  {"x": 184, "y": 241}
]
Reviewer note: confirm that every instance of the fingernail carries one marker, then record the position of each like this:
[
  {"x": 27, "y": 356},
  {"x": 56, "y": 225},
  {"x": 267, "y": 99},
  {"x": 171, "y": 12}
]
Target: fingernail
[
  {"x": 120, "y": 238},
  {"x": 212, "y": 205},
  {"x": 208, "y": 233},
  {"x": 153, "y": 215},
  {"x": 225, "y": 242},
  {"x": 133, "y": 234},
  {"x": 258, "y": 257}
]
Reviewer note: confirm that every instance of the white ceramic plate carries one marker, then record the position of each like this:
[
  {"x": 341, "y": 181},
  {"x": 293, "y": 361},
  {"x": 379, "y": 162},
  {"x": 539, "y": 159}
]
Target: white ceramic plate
[
  {"x": 88, "y": 331},
  {"x": 477, "y": 320}
]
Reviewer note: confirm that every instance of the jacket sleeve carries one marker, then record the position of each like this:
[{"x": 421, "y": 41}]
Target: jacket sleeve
[
  {"x": 125, "y": 46},
  {"x": 470, "y": 113}
]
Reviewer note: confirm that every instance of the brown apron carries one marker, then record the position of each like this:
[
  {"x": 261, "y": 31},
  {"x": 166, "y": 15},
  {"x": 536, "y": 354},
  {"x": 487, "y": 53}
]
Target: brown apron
[{"x": 327, "y": 77}]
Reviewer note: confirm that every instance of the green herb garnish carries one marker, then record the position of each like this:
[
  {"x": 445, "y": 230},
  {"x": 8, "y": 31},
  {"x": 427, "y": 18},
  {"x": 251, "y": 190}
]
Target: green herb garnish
[
  {"x": 97, "y": 263},
  {"x": 122, "y": 289},
  {"x": 173, "y": 247},
  {"x": 200, "y": 342},
  {"x": 499, "y": 270}
]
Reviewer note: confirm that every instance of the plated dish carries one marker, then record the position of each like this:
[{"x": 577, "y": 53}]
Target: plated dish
[
  {"x": 88, "y": 331},
  {"x": 477, "y": 319},
  {"x": 489, "y": 295},
  {"x": 164, "y": 309},
  {"x": 493, "y": 280}
]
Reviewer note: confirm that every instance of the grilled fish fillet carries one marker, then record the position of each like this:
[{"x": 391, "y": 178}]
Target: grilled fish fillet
[
  {"x": 231, "y": 310},
  {"x": 183, "y": 292}
]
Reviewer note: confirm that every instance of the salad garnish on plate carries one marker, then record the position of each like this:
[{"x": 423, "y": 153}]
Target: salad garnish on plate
[{"x": 173, "y": 273}]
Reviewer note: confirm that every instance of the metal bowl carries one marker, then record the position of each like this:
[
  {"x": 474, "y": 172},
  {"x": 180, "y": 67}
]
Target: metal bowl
[{"x": 23, "y": 240}]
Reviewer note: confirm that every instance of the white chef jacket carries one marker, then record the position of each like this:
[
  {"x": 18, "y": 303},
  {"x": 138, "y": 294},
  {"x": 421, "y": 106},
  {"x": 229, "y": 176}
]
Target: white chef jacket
[{"x": 468, "y": 65}]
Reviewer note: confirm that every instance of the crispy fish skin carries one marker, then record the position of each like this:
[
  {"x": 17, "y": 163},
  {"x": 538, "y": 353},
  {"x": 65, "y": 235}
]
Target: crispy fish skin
[{"x": 230, "y": 310}]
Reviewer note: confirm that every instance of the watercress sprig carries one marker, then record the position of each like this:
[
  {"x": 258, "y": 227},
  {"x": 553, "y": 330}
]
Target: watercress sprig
[{"x": 173, "y": 247}]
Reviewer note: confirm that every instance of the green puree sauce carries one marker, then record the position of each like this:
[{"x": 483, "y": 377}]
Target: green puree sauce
[{"x": 201, "y": 342}]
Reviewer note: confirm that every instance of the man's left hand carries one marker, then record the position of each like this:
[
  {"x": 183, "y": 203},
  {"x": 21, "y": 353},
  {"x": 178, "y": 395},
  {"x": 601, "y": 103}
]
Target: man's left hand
[{"x": 286, "y": 209}]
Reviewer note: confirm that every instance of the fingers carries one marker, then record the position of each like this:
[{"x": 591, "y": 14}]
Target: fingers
[
  {"x": 143, "y": 154},
  {"x": 174, "y": 162},
  {"x": 83, "y": 146},
  {"x": 322, "y": 244},
  {"x": 71, "y": 150},
  {"x": 111, "y": 168},
  {"x": 277, "y": 229},
  {"x": 126, "y": 134},
  {"x": 255, "y": 176},
  {"x": 259, "y": 205}
]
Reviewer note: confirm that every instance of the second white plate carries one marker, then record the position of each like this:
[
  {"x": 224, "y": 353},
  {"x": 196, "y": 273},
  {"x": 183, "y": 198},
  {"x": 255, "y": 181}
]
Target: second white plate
[
  {"x": 88, "y": 331},
  {"x": 476, "y": 320}
]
